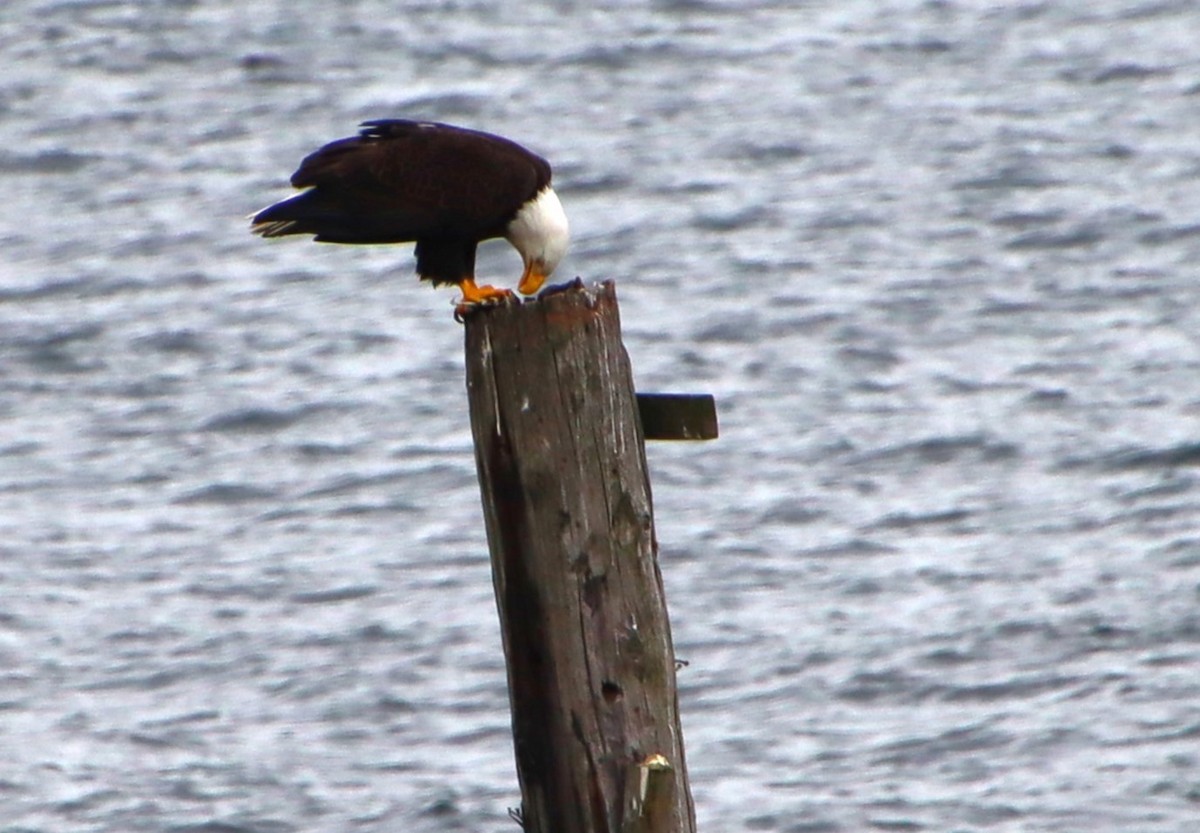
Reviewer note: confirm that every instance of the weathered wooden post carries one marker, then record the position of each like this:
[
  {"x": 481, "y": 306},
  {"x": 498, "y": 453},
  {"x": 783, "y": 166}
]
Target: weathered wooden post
[{"x": 591, "y": 668}]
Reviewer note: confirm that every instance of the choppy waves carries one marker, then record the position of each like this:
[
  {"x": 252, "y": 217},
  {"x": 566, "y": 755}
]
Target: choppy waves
[{"x": 935, "y": 262}]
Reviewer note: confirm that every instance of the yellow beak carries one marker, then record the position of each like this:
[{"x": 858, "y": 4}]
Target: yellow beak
[{"x": 533, "y": 278}]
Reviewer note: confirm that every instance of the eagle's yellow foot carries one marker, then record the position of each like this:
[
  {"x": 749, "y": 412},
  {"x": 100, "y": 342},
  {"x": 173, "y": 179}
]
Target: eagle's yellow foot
[{"x": 478, "y": 296}]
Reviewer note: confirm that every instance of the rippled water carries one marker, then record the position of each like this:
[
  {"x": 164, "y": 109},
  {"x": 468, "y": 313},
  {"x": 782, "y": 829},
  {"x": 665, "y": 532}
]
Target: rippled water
[{"x": 936, "y": 260}]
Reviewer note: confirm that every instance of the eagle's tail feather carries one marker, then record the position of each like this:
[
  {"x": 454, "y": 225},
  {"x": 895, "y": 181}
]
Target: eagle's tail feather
[{"x": 301, "y": 214}]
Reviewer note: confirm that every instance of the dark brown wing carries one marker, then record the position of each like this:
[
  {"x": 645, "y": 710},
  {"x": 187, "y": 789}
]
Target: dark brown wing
[{"x": 402, "y": 180}]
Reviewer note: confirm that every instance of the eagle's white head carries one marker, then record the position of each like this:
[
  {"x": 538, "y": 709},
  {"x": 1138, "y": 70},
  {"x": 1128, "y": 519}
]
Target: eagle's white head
[{"x": 541, "y": 234}]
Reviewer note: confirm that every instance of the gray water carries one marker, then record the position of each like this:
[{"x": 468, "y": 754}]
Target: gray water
[{"x": 937, "y": 262}]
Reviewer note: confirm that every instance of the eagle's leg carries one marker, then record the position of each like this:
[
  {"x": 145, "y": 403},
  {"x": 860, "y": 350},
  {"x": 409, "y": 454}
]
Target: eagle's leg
[{"x": 475, "y": 296}]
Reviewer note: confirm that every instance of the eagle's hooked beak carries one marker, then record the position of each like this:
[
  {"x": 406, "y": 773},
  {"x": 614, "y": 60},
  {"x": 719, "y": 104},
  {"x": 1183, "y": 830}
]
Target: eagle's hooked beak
[{"x": 533, "y": 278}]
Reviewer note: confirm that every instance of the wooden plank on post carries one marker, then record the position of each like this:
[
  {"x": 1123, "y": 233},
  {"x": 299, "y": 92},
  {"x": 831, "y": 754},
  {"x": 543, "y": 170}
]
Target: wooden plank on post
[
  {"x": 678, "y": 416},
  {"x": 566, "y": 497}
]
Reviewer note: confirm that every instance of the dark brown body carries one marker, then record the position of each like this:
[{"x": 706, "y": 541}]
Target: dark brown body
[{"x": 445, "y": 188}]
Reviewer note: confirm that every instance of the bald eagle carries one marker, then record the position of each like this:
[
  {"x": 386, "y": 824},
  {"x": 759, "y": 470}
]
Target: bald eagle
[{"x": 445, "y": 188}]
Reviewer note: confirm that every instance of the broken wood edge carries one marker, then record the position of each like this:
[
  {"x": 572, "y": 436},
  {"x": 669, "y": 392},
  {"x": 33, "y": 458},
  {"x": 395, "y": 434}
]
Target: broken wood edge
[{"x": 651, "y": 795}]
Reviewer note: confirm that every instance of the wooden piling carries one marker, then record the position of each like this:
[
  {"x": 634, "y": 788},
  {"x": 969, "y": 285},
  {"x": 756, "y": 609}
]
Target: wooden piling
[{"x": 566, "y": 497}]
